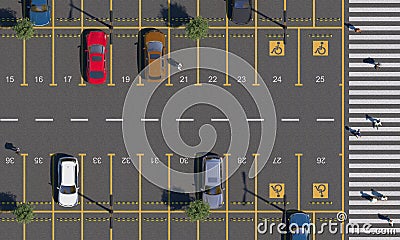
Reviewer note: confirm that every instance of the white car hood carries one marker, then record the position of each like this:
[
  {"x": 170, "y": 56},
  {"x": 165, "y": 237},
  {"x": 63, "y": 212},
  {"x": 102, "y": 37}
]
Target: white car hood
[
  {"x": 67, "y": 200},
  {"x": 215, "y": 201}
]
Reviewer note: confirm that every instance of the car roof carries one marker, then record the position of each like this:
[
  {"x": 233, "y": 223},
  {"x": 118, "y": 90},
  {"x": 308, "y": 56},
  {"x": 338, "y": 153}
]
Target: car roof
[
  {"x": 68, "y": 168},
  {"x": 299, "y": 218},
  {"x": 37, "y": 2},
  {"x": 213, "y": 171}
]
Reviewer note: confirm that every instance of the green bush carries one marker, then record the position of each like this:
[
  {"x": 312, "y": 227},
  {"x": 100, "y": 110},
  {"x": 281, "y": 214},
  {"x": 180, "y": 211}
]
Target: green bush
[
  {"x": 24, "y": 213},
  {"x": 24, "y": 29},
  {"x": 198, "y": 210},
  {"x": 197, "y": 28}
]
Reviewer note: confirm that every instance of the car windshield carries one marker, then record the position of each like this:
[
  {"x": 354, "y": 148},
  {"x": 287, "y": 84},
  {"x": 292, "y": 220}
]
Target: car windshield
[
  {"x": 242, "y": 4},
  {"x": 97, "y": 58},
  {"x": 96, "y": 49},
  {"x": 68, "y": 189},
  {"x": 96, "y": 74},
  {"x": 214, "y": 191},
  {"x": 154, "y": 56},
  {"x": 154, "y": 46},
  {"x": 39, "y": 8}
]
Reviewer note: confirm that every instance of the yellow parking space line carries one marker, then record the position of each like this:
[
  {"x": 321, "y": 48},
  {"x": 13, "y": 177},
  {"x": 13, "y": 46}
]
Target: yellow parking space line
[
  {"x": 169, "y": 84},
  {"x": 169, "y": 194},
  {"x": 198, "y": 230},
  {"x": 52, "y": 199},
  {"x": 226, "y": 84},
  {"x": 52, "y": 84},
  {"x": 255, "y": 155},
  {"x": 24, "y": 155},
  {"x": 342, "y": 86},
  {"x": 313, "y": 220},
  {"x": 298, "y": 155},
  {"x": 256, "y": 84},
  {"x": 111, "y": 84},
  {"x": 140, "y": 155},
  {"x": 198, "y": 50},
  {"x": 110, "y": 156},
  {"x": 298, "y": 84},
  {"x": 182, "y": 28},
  {"x": 82, "y": 157},
  {"x": 313, "y": 13},
  {"x": 284, "y": 5},
  {"x": 226, "y": 155},
  {"x": 24, "y": 83}
]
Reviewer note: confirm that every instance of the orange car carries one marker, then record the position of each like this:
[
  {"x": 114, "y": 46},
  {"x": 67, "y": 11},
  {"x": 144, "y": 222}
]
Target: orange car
[{"x": 154, "y": 50}]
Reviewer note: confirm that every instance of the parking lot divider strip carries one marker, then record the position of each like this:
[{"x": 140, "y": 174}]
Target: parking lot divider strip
[{"x": 342, "y": 130}]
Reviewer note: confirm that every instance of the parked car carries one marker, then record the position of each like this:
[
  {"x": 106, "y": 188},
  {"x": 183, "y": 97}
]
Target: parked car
[
  {"x": 212, "y": 182},
  {"x": 154, "y": 51},
  {"x": 239, "y": 11},
  {"x": 39, "y": 12},
  {"x": 96, "y": 43},
  {"x": 302, "y": 223},
  {"x": 68, "y": 175}
]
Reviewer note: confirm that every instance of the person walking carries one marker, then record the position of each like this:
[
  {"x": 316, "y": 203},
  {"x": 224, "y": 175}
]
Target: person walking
[
  {"x": 377, "y": 65},
  {"x": 356, "y": 133},
  {"x": 376, "y": 123}
]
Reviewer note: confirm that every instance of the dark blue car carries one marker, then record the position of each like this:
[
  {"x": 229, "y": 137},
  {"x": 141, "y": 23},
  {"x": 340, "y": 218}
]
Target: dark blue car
[
  {"x": 39, "y": 12},
  {"x": 302, "y": 223}
]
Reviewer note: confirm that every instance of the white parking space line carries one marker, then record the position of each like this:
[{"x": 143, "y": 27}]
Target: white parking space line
[
  {"x": 386, "y": 193},
  {"x": 44, "y": 119},
  {"x": 373, "y": 147},
  {"x": 369, "y": 220},
  {"x": 255, "y": 119},
  {"x": 373, "y": 238},
  {"x": 114, "y": 120},
  {"x": 374, "y": 1},
  {"x": 374, "y": 55},
  {"x": 374, "y": 165},
  {"x": 219, "y": 120},
  {"x": 149, "y": 119},
  {"x": 185, "y": 120},
  {"x": 373, "y": 83},
  {"x": 374, "y": 110},
  {"x": 374, "y": 184},
  {"x": 381, "y": 129},
  {"x": 374, "y": 74},
  {"x": 374, "y": 211},
  {"x": 325, "y": 119},
  {"x": 371, "y": 230},
  {"x": 374, "y": 175},
  {"x": 374, "y": 46},
  {"x": 290, "y": 119},
  {"x": 372, "y": 9},
  {"x": 374, "y": 19},
  {"x": 8, "y": 119},
  {"x": 374, "y": 37},
  {"x": 379, "y": 203},
  {"x": 374, "y": 101},
  {"x": 79, "y": 119},
  {"x": 374, "y": 92},
  {"x": 374, "y": 156},
  {"x": 374, "y": 138},
  {"x": 379, "y": 28}
]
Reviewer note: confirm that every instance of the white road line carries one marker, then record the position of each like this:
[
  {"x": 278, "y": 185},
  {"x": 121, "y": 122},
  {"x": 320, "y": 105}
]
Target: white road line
[
  {"x": 374, "y": 138},
  {"x": 114, "y": 120},
  {"x": 79, "y": 119},
  {"x": 372, "y": 220},
  {"x": 374, "y": 19},
  {"x": 374, "y": 92},
  {"x": 374, "y": 74},
  {"x": 373, "y": 37},
  {"x": 374, "y": 211},
  {"x": 374, "y": 165},
  {"x": 185, "y": 120},
  {"x": 374, "y": 238},
  {"x": 44, "y": 119},
  {"x": 374, "y": 1},
  {"x": 8, "y": 119},
  {"x": 325, "y": 119},
  {"x": 386, "y": 193},
  {"x": 374, "y": 184},
  {"x": 379, "y": 28},
  {"x": 255, "y": 119},
  {"x": 374, "y": 156},
  {"x": 372, "y": 230},
  {"x": 374, "y": 55},
  {"x": 374, "y": 101},
  {"x": 379, "y": 203},
  {"x": 387, "y": 120},
  {"x": 374, "y": 110},
  {"x": 374, "y": 46},
  {"x": 149, "y": 119},
  {"x": 374, "y": 175},
  {"x": 219, "y": 120},
  {"x": 381, "y": 129},
  {"x": 290, "y": 119},
  {"x": 373, "y": 83},
  {"x": 373, "y": 147},
  {"x": 373, "y": 9}
]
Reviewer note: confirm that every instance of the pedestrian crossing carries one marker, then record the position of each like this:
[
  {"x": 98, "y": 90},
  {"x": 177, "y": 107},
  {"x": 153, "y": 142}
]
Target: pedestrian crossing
[{"x": 374, "y": 158}]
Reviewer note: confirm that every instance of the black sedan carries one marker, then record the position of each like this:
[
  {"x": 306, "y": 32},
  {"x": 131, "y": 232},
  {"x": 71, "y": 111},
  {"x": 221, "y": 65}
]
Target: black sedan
[{"x": 239, "y": 11}]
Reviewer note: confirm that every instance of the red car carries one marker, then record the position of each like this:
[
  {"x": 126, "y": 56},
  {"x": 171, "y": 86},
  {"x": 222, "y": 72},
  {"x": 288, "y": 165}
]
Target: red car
[{"x": 96, "y": 71}]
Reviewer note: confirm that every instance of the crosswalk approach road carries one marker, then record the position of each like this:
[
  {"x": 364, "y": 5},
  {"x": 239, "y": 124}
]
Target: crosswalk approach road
[{"x": 374, "y": 158}]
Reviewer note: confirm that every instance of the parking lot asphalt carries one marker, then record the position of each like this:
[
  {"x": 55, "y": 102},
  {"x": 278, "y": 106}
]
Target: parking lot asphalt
[{"x": 48, "y": 108}]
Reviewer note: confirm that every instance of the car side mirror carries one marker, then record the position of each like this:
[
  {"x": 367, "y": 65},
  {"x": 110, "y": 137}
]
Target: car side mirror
[
  {"x": 28, "y": 6},
  {"x": 77, "y": 188},
  {"x": 58, "y": 188}
]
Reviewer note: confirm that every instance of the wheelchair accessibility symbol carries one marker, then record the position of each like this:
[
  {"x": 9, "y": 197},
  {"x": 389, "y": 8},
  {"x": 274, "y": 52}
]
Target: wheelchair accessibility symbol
[
  {"x": 276, "y": 190},
  {"x": 276, "y": 48},
  {"x": 320, "y": 190},
  {"x": 320, "y": 48}
]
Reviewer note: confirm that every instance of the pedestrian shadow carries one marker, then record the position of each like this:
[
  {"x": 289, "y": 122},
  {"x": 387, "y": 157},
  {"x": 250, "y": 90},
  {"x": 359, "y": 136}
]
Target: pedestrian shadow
[
  {"x": 10, "y": 146},
  {"x": 7, "y": 201},
  {"x": 7, "y": 17},
  {"x": 369, "y": 60},
  {"x": 366, "y": 196},
  {"x": 178, "y": 15},
  {"x": 350, "y": 26},
  {"x": 177, "y": 200},
  {"x": 383, "y": 217}
]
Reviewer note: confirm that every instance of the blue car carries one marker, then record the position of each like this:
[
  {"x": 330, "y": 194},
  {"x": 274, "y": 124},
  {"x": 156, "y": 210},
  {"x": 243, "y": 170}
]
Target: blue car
[
  {"x": 302, "y": 223},
  {"x": 39, "y": 12}
]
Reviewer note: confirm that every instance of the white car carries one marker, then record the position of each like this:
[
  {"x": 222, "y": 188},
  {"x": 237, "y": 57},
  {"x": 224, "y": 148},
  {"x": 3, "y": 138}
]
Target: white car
[
  {"x": 212, "y": 185},
  {"x": 68, "y": 172}
]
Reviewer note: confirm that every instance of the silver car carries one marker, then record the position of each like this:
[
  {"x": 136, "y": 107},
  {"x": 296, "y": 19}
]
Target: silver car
[
  {"x": 212, "y": 181},
  {"x": 68, "y": 172}
]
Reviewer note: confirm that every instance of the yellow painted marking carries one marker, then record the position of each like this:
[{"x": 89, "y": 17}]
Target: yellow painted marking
[
  {"x": 140, "y": 155},
  {"x": 226, "y": 84},
  {"x": 24, "y": 155},
  {"x": 226, "y": 155},
  {"x": 24, "y": 84},
  {"x": 198, "y": 230},
  {"x": 52, "y": 200},
  {"x": 276, "y": 48},
  {"x": 111, "y": 235},
  {"x": 284, "y": 5},
  {"x": 256, "y": 84},
  {"x": 342, "y": 85},
  {"x": 276, "y": 190},
  {"x": 320, "y": 48},
  {"x": 313, "y": 13},
  {"x": 169, "y": 194},
  {"x": 110, "y": 156},
  {"x": 320, "y": 190},
  {"x": 182, "y": 28},
  {"x": 298, "y": 155},
  {"x": 82, "y": 157},
  {"x": 255, "y": 155},
  {"x": 298, "y": 84},
  {"x": 111, "y": 84},
  {"x": 169, "y": 84},
  {"x": 313, "y": 220},
  {"x": 52, "y": 84}
]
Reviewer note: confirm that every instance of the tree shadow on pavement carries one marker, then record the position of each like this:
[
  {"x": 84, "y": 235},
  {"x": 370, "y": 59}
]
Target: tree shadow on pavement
[
  {"x": 7, "y": 17},
  {"x": 179, "y": 15},
  {"x": 177, "y": 200},
  {"x": 7, "y": 201}
]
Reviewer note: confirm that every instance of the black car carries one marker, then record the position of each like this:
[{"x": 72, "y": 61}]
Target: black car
[{"x": 239, "y": 11}]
